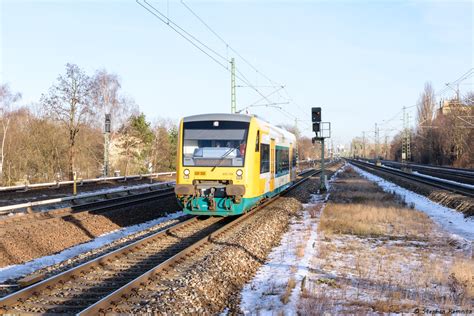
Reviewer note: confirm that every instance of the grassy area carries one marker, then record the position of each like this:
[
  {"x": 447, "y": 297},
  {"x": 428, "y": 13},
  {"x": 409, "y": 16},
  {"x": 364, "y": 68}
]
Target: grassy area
[
  {"x": 361, "y": 208},
  {"x": 375, "y": 253},
  {"x": 367, "y": 220}
]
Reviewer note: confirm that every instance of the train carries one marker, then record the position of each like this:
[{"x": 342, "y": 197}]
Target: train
[{"x": 228, "y": 163}]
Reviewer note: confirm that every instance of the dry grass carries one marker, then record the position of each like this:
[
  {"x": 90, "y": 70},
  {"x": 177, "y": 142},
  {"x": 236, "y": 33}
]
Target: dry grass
[
  {"x": 300, "y": 250},
  {"x": 285, "y": 297},
  {"x": 462, "y": 277},
  {"x": 362, "y": 220},
  {"x": 399, "y": 258},
  {"x": 315, "y": 210}
]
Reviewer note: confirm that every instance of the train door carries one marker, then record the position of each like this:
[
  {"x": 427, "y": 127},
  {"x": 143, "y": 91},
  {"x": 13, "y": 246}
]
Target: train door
[
  {"x": 272, "y": 164},
  {"x": 292, "y": 159}
]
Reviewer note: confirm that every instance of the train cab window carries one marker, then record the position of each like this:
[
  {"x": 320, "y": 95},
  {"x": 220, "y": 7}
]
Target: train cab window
[
  {"x": 264, "y": 158},
  {"x": 215, "y": 143}
]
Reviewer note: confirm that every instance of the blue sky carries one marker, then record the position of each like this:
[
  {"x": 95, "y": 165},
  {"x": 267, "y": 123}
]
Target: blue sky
[{"x": 360, "y": 60}]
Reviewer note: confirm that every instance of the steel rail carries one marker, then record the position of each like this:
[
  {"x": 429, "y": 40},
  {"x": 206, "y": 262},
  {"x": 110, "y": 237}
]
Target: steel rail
[
  {"x": 463, "y": 171},
  {"x": 29, "y": 205},
  {"x": 94, "y": 207},
  {"x": 452, "y": 174},
  {"x": 452, "y": 187},
  {"x": 83, "y": 181},
  {"x": 21, "y": 295},
  {"x": 101, "y": 306},
  {"x": 17, "y": 298}
]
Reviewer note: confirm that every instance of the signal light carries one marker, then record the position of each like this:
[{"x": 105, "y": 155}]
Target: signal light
[
  {"x": 316, "y": 127},
  {"x": 316, "y": 114}
]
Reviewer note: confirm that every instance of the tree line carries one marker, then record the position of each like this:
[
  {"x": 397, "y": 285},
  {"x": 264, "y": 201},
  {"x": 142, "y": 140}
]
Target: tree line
[
  {"x": 63, "y": 132},
  {"x": 443, "y": 133}
]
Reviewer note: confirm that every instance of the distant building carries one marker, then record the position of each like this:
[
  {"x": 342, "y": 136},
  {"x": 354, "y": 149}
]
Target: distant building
[{"x": 448, "y": 106}]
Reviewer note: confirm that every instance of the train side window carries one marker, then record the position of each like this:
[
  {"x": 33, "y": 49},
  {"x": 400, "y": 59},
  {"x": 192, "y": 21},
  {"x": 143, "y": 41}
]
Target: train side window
[
  {"x": 282, "y": 161},
  {"x": 257, "y": 142},
  {"x": 264, "y": 158}
]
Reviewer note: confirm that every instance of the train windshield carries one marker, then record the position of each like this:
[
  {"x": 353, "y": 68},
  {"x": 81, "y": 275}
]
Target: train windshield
[{"x": 215, "y": 143}]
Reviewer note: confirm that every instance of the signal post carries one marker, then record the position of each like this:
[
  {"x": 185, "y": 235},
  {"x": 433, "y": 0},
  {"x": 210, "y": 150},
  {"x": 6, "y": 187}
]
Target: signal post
[{"x": 323, "y": 131}]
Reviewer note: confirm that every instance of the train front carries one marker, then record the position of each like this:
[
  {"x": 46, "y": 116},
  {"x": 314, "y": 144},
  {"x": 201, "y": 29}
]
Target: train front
[{"x": 210, "y": 175}]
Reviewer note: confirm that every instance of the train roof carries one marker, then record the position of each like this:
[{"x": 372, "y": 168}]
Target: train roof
[
  {"x": 237, "y": 118},
  {"x": 218, "y": 117}
]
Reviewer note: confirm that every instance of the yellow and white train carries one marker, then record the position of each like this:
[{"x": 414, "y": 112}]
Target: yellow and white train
[{"x": 227, "y": 163}]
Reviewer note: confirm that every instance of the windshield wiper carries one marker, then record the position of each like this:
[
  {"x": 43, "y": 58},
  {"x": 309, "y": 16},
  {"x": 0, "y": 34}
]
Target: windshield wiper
[{"x": 221, "y": 158}]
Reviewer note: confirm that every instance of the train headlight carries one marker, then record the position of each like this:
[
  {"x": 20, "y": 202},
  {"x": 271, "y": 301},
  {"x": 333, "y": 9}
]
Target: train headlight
[
  {"x": 186, "y": 173},
  {"x": 239, "y": 173}
]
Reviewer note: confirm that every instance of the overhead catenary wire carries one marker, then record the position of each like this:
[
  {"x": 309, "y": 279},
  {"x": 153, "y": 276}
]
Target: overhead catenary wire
[
  {"x": 226, "y": 43},
  {"x": 216, "y": 56},
  {"x": 194, "y": 40},
  {"x": 229, "y": 47},
  {"x": 180, "y": 31}
]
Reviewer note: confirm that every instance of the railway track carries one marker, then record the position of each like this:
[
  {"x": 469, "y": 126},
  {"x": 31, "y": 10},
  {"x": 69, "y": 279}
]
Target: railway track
[
  {"x": 437, "y": 183},
  {"x": 101, "y": 285},
  {"x": 96, "y": 207},
  {"x": 453, "y": 174}
]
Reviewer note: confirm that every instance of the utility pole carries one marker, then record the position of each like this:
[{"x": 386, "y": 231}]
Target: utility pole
[
  {"x": 406, "y": 148},
  {"x": 408, "y": 138},
  {"x": 376, "y": 139},
  {"x": 404, "y": 140},
  {"x": 363, "y": 145},
  {"x": 386, "y": 147},
  {"x": 106, "y": 145},
  {"x": 233, "y": 105}
]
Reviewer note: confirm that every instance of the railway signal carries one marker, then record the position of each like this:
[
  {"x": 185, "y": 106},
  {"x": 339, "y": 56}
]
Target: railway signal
[
  {"x": 107, "y": 124},
  {"x": 322, "y": 130}
]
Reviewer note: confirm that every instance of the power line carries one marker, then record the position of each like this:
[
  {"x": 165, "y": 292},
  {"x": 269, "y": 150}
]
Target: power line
[
  {"x": 219, "y": 58},
  {"x": 228, "y": 46},
  {"x": 170, "y": 23},
  {"x": 226, "y": 43},
  {"x": 192, "y": 39}
]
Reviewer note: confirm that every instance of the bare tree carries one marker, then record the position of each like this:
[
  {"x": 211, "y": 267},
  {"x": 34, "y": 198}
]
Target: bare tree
[
  {"x": 108, "y": 99},
  {"x": 70, "y": 102},
  {"x": 425, "y": 116},
  {"x": 7, "y": 99},
  {"x": 106, "y": 92},
  {"x": 426, "y": 105}
]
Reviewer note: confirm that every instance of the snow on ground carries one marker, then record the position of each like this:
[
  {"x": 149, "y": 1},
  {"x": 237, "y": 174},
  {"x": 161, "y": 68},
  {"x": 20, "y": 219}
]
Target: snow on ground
[
  {"x": 263, "y": 294},
  {"x": 286, "y": 263},
  {"x": 93, "y": 193},
  {"x": 19, "y": 270},
  {"x": 450, "y": 219},
  {"x": 468, "y": 186},
  {"x": 346, "y": 274}
]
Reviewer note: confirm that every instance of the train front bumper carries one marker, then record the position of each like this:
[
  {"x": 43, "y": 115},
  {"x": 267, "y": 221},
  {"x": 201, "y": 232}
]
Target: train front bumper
[{"x": 209, "y": 199}]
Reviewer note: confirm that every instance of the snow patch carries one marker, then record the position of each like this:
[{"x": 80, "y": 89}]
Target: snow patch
[
  {"x": 465, "y": 185},
  {"x": 19, "y": 270},
  {"x": 262, "y": 295},
  {"x": 448, "y": 218}
]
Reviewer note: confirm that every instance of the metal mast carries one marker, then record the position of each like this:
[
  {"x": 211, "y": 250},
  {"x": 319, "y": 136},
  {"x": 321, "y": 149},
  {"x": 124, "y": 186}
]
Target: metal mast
[
  {"x": 233, "y": 105},
  {"x": 106, "y": 145}
]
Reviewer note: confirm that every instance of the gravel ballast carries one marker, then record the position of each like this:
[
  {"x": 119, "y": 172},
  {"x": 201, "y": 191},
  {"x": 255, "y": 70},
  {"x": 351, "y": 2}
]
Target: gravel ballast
[
  {"x": 19, "y": 244},
  {"x": 210, "y": 282}
]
